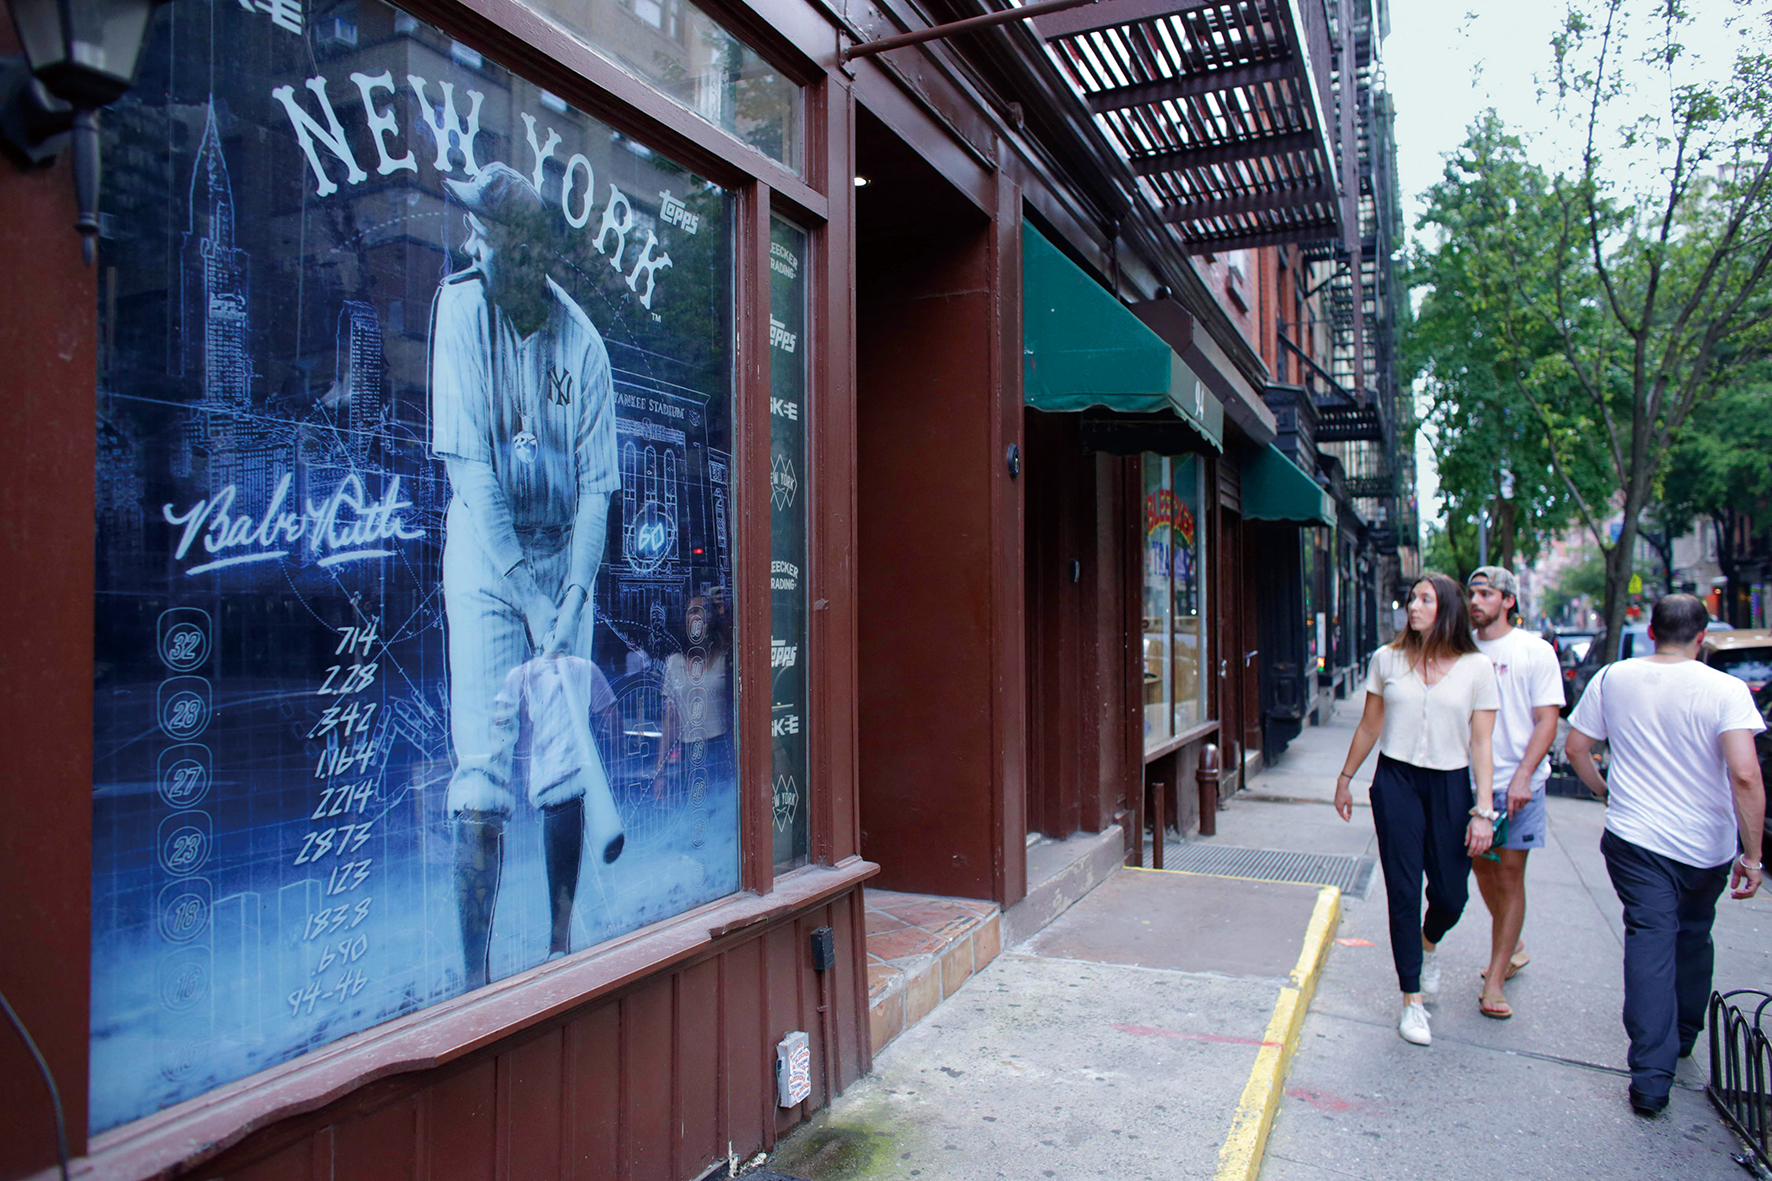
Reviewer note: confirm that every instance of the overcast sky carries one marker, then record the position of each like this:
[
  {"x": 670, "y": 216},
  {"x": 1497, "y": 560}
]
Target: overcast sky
[{"x": 1445, "y": 62}]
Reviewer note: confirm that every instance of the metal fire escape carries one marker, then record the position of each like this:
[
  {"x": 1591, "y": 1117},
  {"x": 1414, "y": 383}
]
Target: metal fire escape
[{"x": 1358, "y": 404}]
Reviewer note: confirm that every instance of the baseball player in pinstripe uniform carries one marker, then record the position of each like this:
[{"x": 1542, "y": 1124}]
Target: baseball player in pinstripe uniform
[{"x": 523, "y": 414}]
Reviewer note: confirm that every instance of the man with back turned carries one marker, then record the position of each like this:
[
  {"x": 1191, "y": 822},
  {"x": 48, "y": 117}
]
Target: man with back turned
[{"x": 1683, "y": 785}]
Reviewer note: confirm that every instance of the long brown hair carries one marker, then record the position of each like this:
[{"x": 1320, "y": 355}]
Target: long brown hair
[{"x": 1450, "y": 637}]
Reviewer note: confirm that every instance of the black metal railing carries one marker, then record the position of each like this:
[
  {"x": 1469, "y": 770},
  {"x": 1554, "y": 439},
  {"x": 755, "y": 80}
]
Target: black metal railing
[{"x": 1741, "y": 1067}]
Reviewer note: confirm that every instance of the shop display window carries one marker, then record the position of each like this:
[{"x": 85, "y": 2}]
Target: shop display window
[
  {"x": 1174, "y": 597},
  {"x": 415, "y": 599},
  {"x": 684, "y": 53}
]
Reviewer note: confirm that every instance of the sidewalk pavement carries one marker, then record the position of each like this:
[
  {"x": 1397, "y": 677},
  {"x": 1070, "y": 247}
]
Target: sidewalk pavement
[
  {"x": 1143, "y": 1034},
  {"x": 1147, "y": 1033},
  {"x": 1538, "y": 1096}
]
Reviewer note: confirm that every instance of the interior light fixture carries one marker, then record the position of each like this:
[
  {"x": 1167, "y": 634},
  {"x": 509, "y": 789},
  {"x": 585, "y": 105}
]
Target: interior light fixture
[{"x": 861, "y": 182}]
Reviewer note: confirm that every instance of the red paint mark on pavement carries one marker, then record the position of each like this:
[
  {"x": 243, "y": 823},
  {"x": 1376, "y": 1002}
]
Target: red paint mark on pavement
[
  {"x": 1355, "y": 942},
  {"x": 1322, "y": 1100},
  {"x": 1188, "y": 1035}
]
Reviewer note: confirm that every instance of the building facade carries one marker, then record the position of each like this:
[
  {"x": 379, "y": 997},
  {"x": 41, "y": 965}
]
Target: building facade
[{"x": 577, "y": 491}]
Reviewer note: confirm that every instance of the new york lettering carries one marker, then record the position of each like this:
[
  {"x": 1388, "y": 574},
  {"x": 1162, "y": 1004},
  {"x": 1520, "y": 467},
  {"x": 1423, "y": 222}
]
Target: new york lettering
[{"x": 454, "y": 127}]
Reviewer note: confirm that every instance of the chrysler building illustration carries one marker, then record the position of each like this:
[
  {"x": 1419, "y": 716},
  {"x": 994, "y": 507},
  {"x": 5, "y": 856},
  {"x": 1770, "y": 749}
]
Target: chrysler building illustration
[{"x": 214, "y": 338}]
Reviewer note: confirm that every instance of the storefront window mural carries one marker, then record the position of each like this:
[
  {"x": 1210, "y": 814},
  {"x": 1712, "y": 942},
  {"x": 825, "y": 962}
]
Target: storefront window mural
[
  {"x": 415, "y": 600},
  {"x": 1174, "y": 598},
  {"x": 787, "y": 546}
]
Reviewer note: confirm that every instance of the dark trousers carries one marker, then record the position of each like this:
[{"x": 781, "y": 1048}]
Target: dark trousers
[
  {"x": 1668, "y": 910},
  {"x": 1421, "y": 815}
]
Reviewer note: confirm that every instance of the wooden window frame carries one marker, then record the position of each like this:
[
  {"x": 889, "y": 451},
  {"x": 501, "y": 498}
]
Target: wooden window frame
[{"x": 526, "y": 42}]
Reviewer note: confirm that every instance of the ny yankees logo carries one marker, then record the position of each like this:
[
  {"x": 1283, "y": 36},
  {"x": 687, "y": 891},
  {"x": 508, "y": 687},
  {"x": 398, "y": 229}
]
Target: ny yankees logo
[{"x": 559, "y": 387}]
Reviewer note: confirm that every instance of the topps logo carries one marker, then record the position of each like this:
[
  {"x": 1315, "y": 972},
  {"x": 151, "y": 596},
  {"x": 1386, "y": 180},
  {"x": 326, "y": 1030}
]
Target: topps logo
[{"x": 780, "y": 337}]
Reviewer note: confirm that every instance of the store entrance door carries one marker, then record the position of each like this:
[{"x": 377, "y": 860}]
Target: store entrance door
[{"x": 930, "y": 769}]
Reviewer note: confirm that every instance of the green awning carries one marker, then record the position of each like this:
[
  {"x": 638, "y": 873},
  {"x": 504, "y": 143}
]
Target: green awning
[
  {"x": 1276, "y": 489},
  {"x": 1082, "y": 348}
]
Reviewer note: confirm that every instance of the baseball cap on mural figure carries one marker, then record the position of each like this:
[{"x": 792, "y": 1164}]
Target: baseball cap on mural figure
[
  {"x": 1498, "y": 577},
  {"x": 497, "y": 191}
]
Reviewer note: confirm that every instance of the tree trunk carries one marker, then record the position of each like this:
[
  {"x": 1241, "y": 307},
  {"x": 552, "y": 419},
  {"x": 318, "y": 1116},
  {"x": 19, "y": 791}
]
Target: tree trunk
[
  {"x": 1618, "y": 571},
  {"x": 1725, "y": 562},
  {"x": 1505, "y": 526}
]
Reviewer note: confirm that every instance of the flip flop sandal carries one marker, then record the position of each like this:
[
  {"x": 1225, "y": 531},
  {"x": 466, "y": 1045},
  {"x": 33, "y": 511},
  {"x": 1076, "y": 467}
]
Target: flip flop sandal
[
  {"x": 1512, "y": 969},
  {"x": 1499, "y": 1010}
]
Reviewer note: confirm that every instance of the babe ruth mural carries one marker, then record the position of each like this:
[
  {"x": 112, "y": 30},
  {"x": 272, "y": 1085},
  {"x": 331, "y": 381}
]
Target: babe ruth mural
[
  {"x": 413, "y": 653},
  {"x": 523, "y": 415}
]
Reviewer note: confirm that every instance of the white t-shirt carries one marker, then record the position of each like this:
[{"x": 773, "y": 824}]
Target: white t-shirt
[
  {"x": 1667, "y": 786},
  {"x": 1430, "y": 725},
  {"x": 1528, "y": 675}
]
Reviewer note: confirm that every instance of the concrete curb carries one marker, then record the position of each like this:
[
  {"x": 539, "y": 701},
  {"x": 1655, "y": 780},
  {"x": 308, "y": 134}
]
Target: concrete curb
[{"x": 1240, "y": 1158}]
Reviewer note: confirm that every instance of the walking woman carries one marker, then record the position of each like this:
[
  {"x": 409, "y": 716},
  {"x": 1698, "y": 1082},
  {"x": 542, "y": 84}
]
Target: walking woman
[{"x": 1431, "y": 699}]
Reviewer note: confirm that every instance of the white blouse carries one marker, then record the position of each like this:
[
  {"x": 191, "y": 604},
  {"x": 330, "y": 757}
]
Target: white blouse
[{"x": 1430, "y": 725}]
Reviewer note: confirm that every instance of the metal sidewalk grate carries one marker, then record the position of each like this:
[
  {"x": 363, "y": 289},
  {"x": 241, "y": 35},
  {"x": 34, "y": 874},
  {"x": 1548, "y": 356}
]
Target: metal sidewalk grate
[{"x": 1352, "y": 874}]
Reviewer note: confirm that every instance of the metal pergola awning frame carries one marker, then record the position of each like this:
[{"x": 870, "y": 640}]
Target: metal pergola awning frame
[{"x": 1216, "y": 106}]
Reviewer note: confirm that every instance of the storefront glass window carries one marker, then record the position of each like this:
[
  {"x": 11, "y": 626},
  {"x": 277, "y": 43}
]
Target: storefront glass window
[
  {"x": 414, "y": 615},
  {"x": 787, "y": 539},
  {"x": 685, "y": 54},
  {"x": 1159, "y": 603},
  {"x": 1174, "y": 597},
  {"x": 1188, "y": 543}
]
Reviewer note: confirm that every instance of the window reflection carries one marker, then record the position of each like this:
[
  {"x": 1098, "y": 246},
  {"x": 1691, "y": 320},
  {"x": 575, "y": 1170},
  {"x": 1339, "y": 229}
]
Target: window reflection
[
  {"x": 1174, "y": 597},
  {"x": 685, "y": 54}
]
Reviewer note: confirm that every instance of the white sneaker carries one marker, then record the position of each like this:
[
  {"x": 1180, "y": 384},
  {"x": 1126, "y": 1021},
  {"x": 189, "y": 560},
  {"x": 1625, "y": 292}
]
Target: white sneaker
[
  {"x": 1413, "y": 1026},
  {"x": 1430, "y": 971}
]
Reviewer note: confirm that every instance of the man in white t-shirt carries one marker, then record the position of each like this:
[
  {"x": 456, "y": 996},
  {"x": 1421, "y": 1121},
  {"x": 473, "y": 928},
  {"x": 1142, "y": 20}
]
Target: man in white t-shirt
[
  {"x": 1684, "y": 784},
  {"x": 1531, "y": 686}
]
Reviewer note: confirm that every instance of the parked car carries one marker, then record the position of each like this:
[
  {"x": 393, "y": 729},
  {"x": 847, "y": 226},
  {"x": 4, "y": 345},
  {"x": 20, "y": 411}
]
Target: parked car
[
  {"x": 1747, "y": 653},
  {"x": 1570, "y": 645},
  {"x": 1633, "y": 642}
]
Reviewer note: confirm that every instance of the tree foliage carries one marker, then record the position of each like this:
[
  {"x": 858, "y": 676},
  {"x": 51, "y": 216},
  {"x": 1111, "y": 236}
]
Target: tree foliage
[{"x": 1582, "y": 313}]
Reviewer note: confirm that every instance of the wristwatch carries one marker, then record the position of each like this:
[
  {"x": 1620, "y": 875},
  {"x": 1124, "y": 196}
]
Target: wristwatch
[{"x": 1489, "y": 814}]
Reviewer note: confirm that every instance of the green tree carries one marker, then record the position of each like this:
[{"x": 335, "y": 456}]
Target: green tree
[
  {"x": 1466, "y": 343},
  {"x": 1722, "y": 462},
  {"x": 1619, "y": 294}
]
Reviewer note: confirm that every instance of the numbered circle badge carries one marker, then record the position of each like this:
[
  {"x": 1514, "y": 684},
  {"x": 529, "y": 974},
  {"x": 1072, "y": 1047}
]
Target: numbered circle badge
[
  {"x": 651, "y": 538},
  {"x": 184, "y": 979},
  {"x": 183, "y": 706},
  {"x": 184, "y": 910},
  {"x": 183, "y": 636},
  {"x": 184, "y": 774},
  {"x": 179, "y": 1057},
  {"x": 184, "y": 842}
]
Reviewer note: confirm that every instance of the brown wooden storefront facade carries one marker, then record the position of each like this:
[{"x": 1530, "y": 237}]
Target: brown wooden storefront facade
[{"x": 974, "y": 650}]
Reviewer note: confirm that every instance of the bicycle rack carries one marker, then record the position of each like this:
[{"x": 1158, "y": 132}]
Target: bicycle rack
[{"x": 1741, "y": 1069}]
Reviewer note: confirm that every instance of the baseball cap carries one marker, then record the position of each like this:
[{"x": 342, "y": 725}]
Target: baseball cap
[
  {"x": 1498, "y": 577},
  {"x": 497, "y": 191}
]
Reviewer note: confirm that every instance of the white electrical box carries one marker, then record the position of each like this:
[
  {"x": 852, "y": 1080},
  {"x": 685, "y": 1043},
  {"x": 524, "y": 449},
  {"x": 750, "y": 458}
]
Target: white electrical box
[{"x": 793, "y": 1069}]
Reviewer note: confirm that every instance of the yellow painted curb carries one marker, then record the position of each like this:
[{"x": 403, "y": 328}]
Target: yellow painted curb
[{"x": 1240, "y": 1158}]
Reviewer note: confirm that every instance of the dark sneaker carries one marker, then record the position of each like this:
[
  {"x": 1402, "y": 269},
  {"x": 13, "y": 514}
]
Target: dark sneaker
[{"x": 1647, "y": 1104}]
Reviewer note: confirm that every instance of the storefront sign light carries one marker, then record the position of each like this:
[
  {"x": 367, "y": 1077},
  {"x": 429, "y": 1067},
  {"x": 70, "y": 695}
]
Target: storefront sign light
[{"x": 80, "y": 55}]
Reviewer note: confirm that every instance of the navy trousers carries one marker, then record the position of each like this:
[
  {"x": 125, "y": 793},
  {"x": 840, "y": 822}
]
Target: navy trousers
[
  {"x": 1421, "y": 815},
  {"x": 1668, "y": 910}
]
